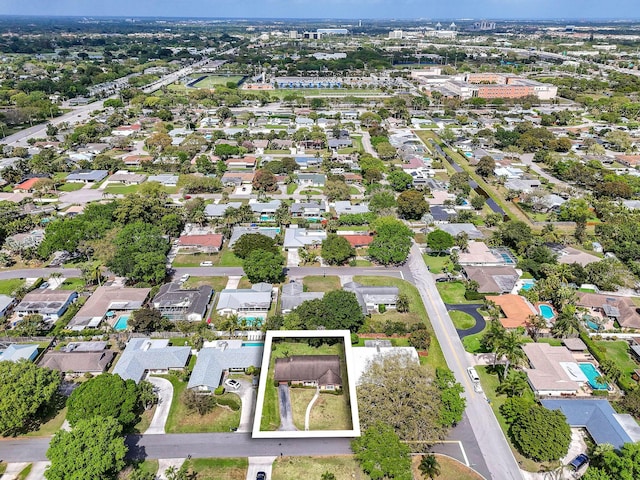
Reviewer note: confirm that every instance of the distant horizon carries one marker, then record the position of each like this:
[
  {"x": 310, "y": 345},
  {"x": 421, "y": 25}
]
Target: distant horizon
[{"x": 389, "y": 10}]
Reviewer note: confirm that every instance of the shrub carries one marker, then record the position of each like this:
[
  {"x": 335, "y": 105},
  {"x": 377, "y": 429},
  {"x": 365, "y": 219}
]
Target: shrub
[
  {"x": 219, "y": 390},
  {"x": 382, "y": 308},
  {"x": 230, "y": 402},
  {"x": 354, "y": 338}
]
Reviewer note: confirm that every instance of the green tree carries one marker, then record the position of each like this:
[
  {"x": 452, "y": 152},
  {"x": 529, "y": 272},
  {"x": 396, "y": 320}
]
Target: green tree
[
  {"x": 338, "y": 309},
  {"x": 250, "y": 242},
  {"x": 392, "y": 241},
  {"x": 515, "y": 384},
  {"x": 429, "y": 466},
  {"x": 477, "y": 202},
  {"x": 263, "y": 266},
  {"x": 382, "y": 201},
  {"x": 265, "y": 180},
  {"x": 336, "y": 249},
  {"x": 95, "y": 448},
  {"x": 541, "y": 434},
  {"x": 399, "y": 180},
  {"x": 453, "y": 404},
  {"x": 486, "y": 166},
  {"x": 381, "y": 454},
  {"x": 402, "y": 303},
  {"x": 106, "y": 395},
  {"x": 26, "y": 391},
  {"x": 440, "y": 241},
  {"x": 336, "y": 190},
  {"x": 420, "y": 339},
  {"x": 147, "y": 320},
  {"x": 412, "y": 205},
  {"x": 510, "y": 347}
]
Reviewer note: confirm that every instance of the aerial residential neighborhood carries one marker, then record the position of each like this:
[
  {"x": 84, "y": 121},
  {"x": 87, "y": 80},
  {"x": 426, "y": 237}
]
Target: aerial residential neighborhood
[{"x": 296, "y": 240}]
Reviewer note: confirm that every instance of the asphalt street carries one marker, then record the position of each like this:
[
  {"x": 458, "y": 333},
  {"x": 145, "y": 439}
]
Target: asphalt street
[{"x": 495, "y": 452}]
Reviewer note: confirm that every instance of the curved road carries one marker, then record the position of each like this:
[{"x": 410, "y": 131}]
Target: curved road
[{"x": 469, "y": 309}]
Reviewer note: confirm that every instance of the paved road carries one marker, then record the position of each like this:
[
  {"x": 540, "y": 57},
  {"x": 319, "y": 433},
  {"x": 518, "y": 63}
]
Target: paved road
[
  {"x": 259, "y": 464},
  {"x": 470, "y": 309},
  {"x": 39, "y": 272},
  {"x": 495, "y": 450},
  {"x": 291, "y": 271},
  {"x": 165, "y": 397},
  {"x": 366, "y": 144}
]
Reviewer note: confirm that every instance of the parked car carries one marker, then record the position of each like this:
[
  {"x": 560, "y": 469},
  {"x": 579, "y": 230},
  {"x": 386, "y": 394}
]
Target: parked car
[
  {"x": 44, "y": 285},
  {"x": 206, "y": 263},
  {"x": 261, "y": 476},
  {"x": 579, "y": 461},
  {"x": 232, "y": 384},
  {"x": 473, "y": 375},
  {"x": 184, "y": 277}
]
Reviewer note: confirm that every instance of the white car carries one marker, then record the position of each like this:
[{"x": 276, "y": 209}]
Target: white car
[
  {"x": 184, "y": 277},
  {"x": 232, "y": 384},
  {"x": 206, "y": 263},
  {"x": 473, "y": 375}
]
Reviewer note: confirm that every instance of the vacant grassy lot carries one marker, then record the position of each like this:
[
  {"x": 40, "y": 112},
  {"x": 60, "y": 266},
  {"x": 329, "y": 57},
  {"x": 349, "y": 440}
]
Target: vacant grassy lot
[
  {"x": 228, "y": 259},
  {"x": 417, "y": 313},
  {"x": 436, "y": 263},
  {"x": 450, "y": 469},
  {"x": 181, "y": 420},
  {"x": 219, "y": 468},
  {"x": 453, "y": 293},
  {"x": 217, "y": 283},
  {"x": 194, "y": 260},
  {"x": 51, "y": 424},
  {"x": 321, "y": 284},
  {"x": 619, "y": 353},
  {"x": 343, "y": 467},
  {"x": 7, "y": 287},
  {"x": 461, "y": 320},
  {"x": 330, "y": 412}
]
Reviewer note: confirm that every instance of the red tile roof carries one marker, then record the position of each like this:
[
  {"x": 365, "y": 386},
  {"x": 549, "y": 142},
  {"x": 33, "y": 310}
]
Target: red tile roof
[
  {"x": 27, "y": 184},
  {"x": 359, "y": 240},
  {"x": 209, "y": 240}
]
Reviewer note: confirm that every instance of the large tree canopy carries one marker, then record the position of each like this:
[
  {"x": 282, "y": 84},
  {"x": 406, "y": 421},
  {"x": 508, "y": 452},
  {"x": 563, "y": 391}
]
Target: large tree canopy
[
  {"x": 541, "y": 434},
  {"x": 249, "y": 242},
  {"x": 400, "y": 393},
  {"x": 263, "y": 266},
  {"x": 337, "y": 310},
  {"x": 392, "y": 241},
  {"x": 93, "y": 449},
  {"x": 412, "y": 205},
  {"x": 336, "y": 249},
  {"x": 381, "y": 453},
  {"x": 25, "y": 392},
  {"x": 106, "y": 395}
]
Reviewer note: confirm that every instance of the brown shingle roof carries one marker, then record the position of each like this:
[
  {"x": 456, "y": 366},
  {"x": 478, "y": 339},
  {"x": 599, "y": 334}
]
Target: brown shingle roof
[
  {"x": 309, "y": 368},
  {"x": 79, "y": 362}
]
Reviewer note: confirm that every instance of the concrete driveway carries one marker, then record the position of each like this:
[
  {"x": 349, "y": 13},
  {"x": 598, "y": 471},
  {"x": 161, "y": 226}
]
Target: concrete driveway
[
  {"x": 259, "y": 464},
  {"x": 247, "y": 394},
  {"x": 469, "y": 309},
  {"x": 286, "y": 415},
  {"x": 164, "y": 389}
]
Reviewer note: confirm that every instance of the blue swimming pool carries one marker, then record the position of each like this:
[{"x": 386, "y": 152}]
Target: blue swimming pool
[
  {"x": 592, "y": 325},
  {"x": 592, "y": 373},
  {"x": 528, "y": 284},
  {"x": 252, "y": 344},
  {"x": 547, "y": 312},
  {"x": 121, "y": 323},
  {"x": 253, "y": 321}
]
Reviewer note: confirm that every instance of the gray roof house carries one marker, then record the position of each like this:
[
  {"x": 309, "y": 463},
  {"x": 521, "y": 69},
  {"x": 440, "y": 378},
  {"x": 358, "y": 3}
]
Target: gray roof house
[
  {"x": 237, "y": 232},
  {"x": 312, "y": 209},
  {"x": 455, "y": 229},
  {"x": 87, "y": 176},
  {"x": 312, "y": 179},
  {"x": 214, "y": 210},
  {"x": 265, "y": 208},
  {"x": 78, "y": 362},
  {"x": 369, "y": 298},
  {"x": 51, "y": 304},
  {"x": 6, "y": 302},
  {"x": 144, "y": 355},
  {"x": 178, "y": 304},
  {"x": 166, "y": 179},
  {"x": 16, "y": 352},
  {"x": 246, "y": 300},
  {"x": 494, "y": 279},
  {"x": 301, "y": 237},
  {"x": 293, "y": 295},
  {"x": 344, "y": 207},
  {"x": 223, "y": 355}
]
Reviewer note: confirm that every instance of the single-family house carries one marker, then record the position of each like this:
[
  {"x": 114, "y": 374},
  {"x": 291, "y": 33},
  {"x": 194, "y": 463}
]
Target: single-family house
[
  {"x": 221, "y": 356},
  {"x": 343, "y": 207},
  {"x": 266, "y": 210},
  {"x": 370, "y": 298},
  {"x": 51, "y": 304},
  {"x": 312, "y": 210},
  {"x": 552, "y": 371},
  {"x": 127, "y": 178},
  {"x": 359, "y": 240},
  {"x": 6, "y": 304},
  {"x": 176, "y": 303},
  {"x": 235, "y": 179},
  {"x": 216, "y": 210},
  {"x": 523, "y": 185},
  {"x": 308, "y": 162},
  {"x": 311, "y": 179},
  {"x": 338, "y": 143},
  {"x": 621, "y": 309},
  {"x": 126, "y": 130},
  {"x": 238, "y": 232},
  {"x": 207, "y": 243},
  {"x": 570, "y": 255},
  {"x": 165, "y": 179},
  {"x": 293, "y": 295},
  {"x": 302, "y": 237},
  {"x": 136, "y": 160},
  {"x": 494, "y": 279},
  {"x": 322, "y": 371},
  {"x": 78, "y": 362},
  {"x": 516, "y": 310},
  {"x": 108, "y": 301},
  {"x": 244, "y": 163},
  {"x": 479, "y": 254},
  {"x": 455, "y": 229},
  {"x": 87, "y": 176},
  {"x": 27, "y": 185},
  {"x": 252, "y": 301},
  {"x": 15, "y": 352},
  {"x": 143, "y": 356}
]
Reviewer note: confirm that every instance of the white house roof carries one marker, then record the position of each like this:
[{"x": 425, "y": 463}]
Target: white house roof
[{"x": 143, "y": 354}]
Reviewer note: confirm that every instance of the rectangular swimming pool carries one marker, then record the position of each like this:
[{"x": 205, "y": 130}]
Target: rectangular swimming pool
[
  {"x": 121, "y": 323},
  {"x": 592, "y": 373}
]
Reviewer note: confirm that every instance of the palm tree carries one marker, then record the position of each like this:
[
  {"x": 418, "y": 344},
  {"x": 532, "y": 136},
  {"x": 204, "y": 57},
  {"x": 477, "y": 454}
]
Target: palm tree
[
  {"x": 511, "y": 347},
  {"x": 429, "y": 466},
  {"x": 492, "y": 338},
  {"x": 567, "y": 324},
  {"x": 534, "y": 324}
]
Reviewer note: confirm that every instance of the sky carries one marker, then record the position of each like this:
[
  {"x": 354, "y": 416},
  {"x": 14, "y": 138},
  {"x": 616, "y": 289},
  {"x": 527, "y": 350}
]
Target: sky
[{"x": 323, "y": 9}]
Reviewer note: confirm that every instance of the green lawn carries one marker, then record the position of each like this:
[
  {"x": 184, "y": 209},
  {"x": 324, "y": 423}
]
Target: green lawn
[
  {"x": 217, "y": 283},
  {"x": 461, "y": 320},
  {"x": 121, "y": 189},
  {"x": 228, "y": 259},
  {"x": 211, "y": 81},
  {"x": 343, "y": 467},
  {"x": 148, "y": 466},
  {"x": 321, "y": 284},
  {"x": 70, "y": 187},
  {"x": 436, "y": 263},
  {"x": 619, "y": 352},
  {"x": 291, "y": 188},
  {"x": 25, "y": 472},
  {"x": 417, "y": 312},
  {"x": 310, "y": 192},
  {"x": 194, "y": 260},
  {"x": 7, "y": 287},
  {"x": 354, "y": 191},
  {"x": 363, "y": 263},
  {"x": 181, "y": 420},
  {"x": 471, "y": 343},
  {"x": 72, "y": 284},
  {"x": 219, "y": 468},
  {"x": 453, "y": 293},
  {"x": 489, "y": 384},
  {"x": 244, "y": 283},
  {"x": 51, "y": 423}
]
